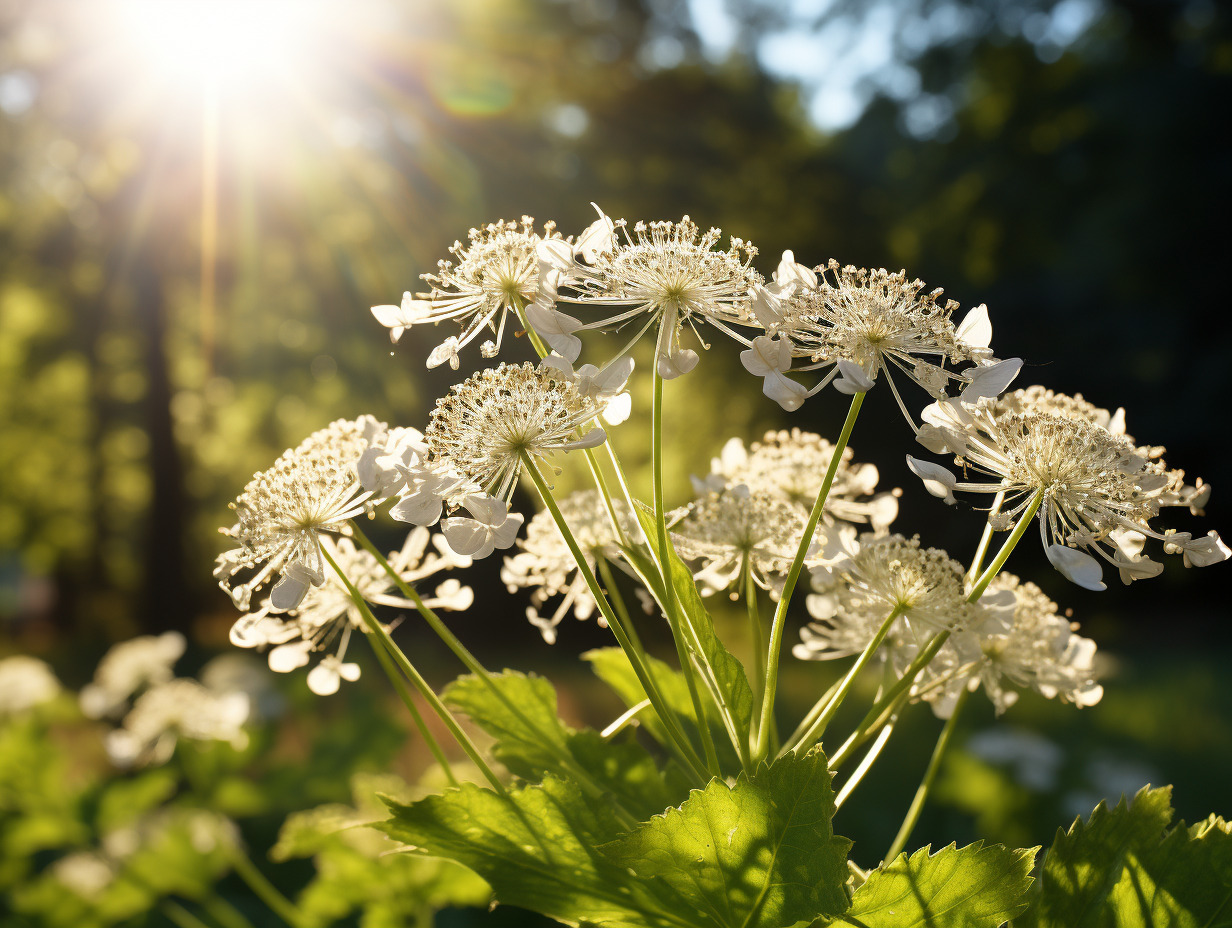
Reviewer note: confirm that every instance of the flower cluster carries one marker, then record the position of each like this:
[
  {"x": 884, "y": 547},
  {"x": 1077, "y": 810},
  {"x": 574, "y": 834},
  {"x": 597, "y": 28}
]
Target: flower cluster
[
  {"x": 1070, "y": 463},
  {"x": 25, "y": 682},
  {"x": 327, "y": 616},
  {"x": 544, "y": 564}
]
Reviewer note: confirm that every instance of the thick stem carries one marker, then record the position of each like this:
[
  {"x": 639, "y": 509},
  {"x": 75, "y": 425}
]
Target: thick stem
[
  {"x": 757, "y": 638},
  {"x": 426, "y": 691},
  {"x": 934, "y": 764},
  {"x": 677, "y": 742},
  {"x": 617, "y": 601},
  {"x": 671, "y": 604},
  {"x": 817, "y": 729},
  {"x": 474, "y": 666},
  {"x": 1024, "y": 522},
  {"x": 985, "y": 539},
  {"x": 266, "y": 891},
  {"x": 866, "y": 764},
  {"x": 404, "y": 693},
  {"x": 793, "y": 575}
]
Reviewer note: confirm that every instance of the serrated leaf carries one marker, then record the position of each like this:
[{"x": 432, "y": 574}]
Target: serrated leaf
[
  {"x": 722, "y": 671},
  {"x": 536, "y": 849},
  {"x": 1127, "y": 867},
  {"x": 760, "y": 854},
  {"x": 970, "y": 887},
  {"x": 1085, "y": 863},
  {"x": 533, "y": 741}
]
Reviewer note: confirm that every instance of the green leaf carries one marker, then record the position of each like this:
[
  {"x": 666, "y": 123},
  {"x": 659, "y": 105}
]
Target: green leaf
[
  {"x": 536, "y": 849},
  {"x": 970, "y": 887},
  {"x": 723, "y": 674},
  {"x": 533, "y": 741},
  {"x": 760, "y": 854},
  {"x": 1127, "y": 867}
]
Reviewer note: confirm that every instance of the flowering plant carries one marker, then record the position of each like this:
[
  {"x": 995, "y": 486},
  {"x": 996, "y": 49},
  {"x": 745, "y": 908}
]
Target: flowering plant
[{"x": 722, "y": 814}]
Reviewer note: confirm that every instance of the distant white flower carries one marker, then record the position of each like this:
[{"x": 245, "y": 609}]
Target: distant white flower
[
  {"x": 312, "y": 489},
  {"x": 1021, "y": 641},
  {"x": 84, "y": 873},
  {"x": 25, "y": 682},
  {"x": 860, "y": 324},
  {"x": 486, "y": 423},
  {"x": 495, "y": 273},
  {"x": 177, "y": 709},
  {"x": 327, "y": 616},
  {"x": 1099, "y": 492},
  {"x": 669, "y": 275},
  {"x": 724, "y": 531},
  {"x": 857, "y": 585},
  {"x": 128, "y": 668},
  {"x": 544, "y": 564},
  {"x": 792, "y": 465}
]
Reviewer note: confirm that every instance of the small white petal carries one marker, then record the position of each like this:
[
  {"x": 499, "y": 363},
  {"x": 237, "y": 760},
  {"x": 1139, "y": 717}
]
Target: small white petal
[
  {"x": 1206, "y": 550},
  {"x": 468, "y": 537},
  {"x": 975, "y": 331},
  {"x": 1077, "y": 566},
  {"x": 783, "y": 390},
  {"x": 554, "y": 254},
  {"x": 991, "y": 381},
  {"x": 767, "y": 355},
  {"x": 766, "y": 307},
  {"x": 618, "y": 409},
  {"x": 677, "y": 364},
  {"x": 597, "y": 239},
  {"x": 287, "y": 657},
  {"x": 323, "y": 679},
  {"x": 938, "y": 480},
  {"x": 852, "y": 379}
]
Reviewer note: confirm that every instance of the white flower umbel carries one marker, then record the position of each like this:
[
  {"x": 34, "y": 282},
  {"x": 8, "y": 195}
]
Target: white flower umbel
[
  {"x": 312, "y": 489},
  {"x": 727, "y": 530},
  {"x": 327, "y": 616},
  {"x": 1019, "y": 641},
  {"x": 484, "y": 425},
  {"x": 177, "y": 709},
  {"x": 496, "y": 272},
  {"x": 545, "y": 566},
  {"x": 128, "y": 668},
  {"x": 792, "y": 464},
  {"x": 858, "y": 324},
  {"x": 25, "y": 682},
  {"x": 857, "y": 588},
  {"x": 1096, "y": 492},
  {"x": 668, "y": 274}
]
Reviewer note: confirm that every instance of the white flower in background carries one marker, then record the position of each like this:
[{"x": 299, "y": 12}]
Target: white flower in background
[
  {"x": 667, "y": 274},
  {"x": 327, "y": 616},
  {"x": 1020, "y": 641},
  {"x": 727, "y": 530},
  {"x": 545, "y": 566},
  {"x": 1099, "y": 492},
  {"x": 25, "y": 682},
  {"x": 858, "y": 584},
  {"x": 234, "y": 672},
  {"x": 792, "y": 465},
  {"x": 179, "y": 708},
  {"x": 486, "y": 423},
  {"x": 312, "y": 489},
  {"x": 84, "y": 873},
  {"x": 496, "y": 272},
  {"x": 860, "y": 324},
  {"x": 128, "y": 668}
]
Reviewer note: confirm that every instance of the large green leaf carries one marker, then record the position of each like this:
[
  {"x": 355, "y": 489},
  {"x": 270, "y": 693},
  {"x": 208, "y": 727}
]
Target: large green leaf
[
  {"x": 723, "y": 673},
  {"x": 536, "y": 849},
  {"x": 760, "y": 854},
  {"x": 531, "y": 740},
  {"x": 970, "y": 887},
  {"x": 1126, "y": 866}
]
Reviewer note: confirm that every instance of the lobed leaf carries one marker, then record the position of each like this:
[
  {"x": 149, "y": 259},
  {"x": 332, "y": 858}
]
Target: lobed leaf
[
  {"x": 976, "y": 886},
  {"x": 759, "y": 854}
]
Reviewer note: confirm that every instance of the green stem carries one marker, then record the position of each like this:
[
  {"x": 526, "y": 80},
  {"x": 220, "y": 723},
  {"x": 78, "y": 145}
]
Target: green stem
[
  {"x": 266, "y": 891},
  {"x": 408, "y": 669},
  {"x": 671, "y": 603},
  {"x": 884, "y": 708},
  {"x": 986, "y": 538},
  {"x": 817, "y": 729},
  {"x": 408, "y": 700},
  {"x": 677, "y": 741},
  {"x": 181, "y": 916},
  {"x": 585, "y": 780},
  {"x": 810, "y": 717},
  {"x": 934, "y": 764},
  {"x": 224, "y": 912},
  {"x": 793, "y": 575},
  {"x": 757, "y": 638},
  {"x": 617, "y": 601},
  {"x": 866, "y": 764}
]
